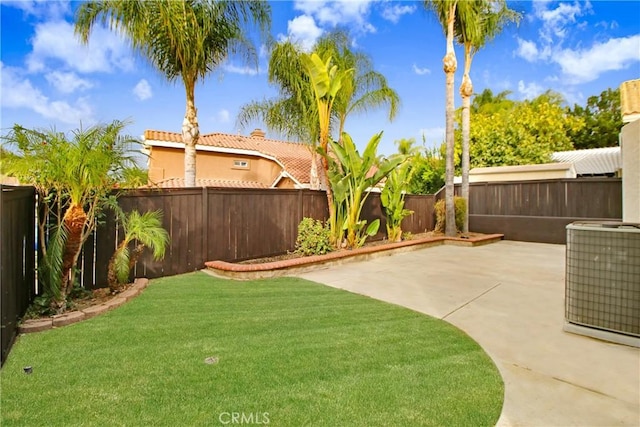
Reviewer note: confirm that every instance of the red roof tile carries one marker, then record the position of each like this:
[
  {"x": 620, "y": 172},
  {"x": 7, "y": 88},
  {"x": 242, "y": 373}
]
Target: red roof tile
[{"x": 179, "y": 183}]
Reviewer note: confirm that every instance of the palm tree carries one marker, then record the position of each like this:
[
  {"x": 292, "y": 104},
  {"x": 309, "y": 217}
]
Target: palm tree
[
  {"x": 293, "y": 114},
  {"x": 181, "y": 39},
  {"x": 446, "y": 11},
  {"x": 74, "y": 176},
  {"x": 487, "y": 102},
  {"x": 482, "y": 21},
  {"x": 365, "y": 89},
  {"x": 147, "y": 230}
]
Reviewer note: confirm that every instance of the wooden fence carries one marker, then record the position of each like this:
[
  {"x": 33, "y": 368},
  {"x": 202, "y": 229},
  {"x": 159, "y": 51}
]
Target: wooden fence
[
  {"x": 539, "y": 211},
  {"x": 226, "y": 224},
  {"x": 237, "y": 224},
  {"x": 18, "y": 259}
]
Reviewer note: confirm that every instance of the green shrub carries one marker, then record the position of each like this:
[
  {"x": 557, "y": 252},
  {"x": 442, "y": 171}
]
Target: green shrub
[
  {"x": 440, "y": 209},
  {"x": 313, "y": 238}
]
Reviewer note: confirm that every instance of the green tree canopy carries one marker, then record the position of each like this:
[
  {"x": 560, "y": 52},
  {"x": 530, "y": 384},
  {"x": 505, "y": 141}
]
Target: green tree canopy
[
  {"x": 526, "y": 132},
  {"x": 75, "y": 174},
  {"x": 602, "y": 121},
  {"x": 486, "y": 102}
]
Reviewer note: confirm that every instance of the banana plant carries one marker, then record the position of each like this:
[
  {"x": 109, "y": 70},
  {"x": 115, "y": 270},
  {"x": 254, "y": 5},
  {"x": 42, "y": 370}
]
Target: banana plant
[
  {"x": 352, "y": 177},
  {"x": 326, "y": 81},
  {"x": 392, "y": 198}
]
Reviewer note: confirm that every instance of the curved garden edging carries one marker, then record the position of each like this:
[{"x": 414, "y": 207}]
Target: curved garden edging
[
  {"x": 37, "y": 325},
  {"x": 304, "y": 264}
]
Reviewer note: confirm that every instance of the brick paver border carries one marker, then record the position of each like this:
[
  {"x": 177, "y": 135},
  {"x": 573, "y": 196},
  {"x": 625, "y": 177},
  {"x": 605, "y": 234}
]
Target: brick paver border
[{"x": 37, "y": 325}]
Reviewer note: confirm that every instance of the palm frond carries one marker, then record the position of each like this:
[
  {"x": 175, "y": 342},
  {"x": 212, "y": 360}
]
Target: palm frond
[
  {"x": 120, "y": 262},
  {"x": 147, "y": 229},
  {"x": 51, "y": 266}
]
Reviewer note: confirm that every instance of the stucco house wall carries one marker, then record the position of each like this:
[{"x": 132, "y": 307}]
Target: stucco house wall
[
  {"x": 630, "y": 139},
  {"x": 167, "y": 162}
]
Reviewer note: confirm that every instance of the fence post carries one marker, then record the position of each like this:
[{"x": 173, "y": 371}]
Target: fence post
[
  {"x": 300, "y": 203},
  {"x": 205, "y": 224}
]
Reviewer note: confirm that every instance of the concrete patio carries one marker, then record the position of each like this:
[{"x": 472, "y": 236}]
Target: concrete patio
[{"x": 509, "y": 296}]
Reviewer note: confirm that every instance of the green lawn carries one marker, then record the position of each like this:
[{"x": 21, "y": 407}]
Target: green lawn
[{"x": 290, "y": 352}]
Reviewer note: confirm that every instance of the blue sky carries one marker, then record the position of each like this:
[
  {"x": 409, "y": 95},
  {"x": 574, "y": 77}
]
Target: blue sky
[{"x": 48, "y": 79}]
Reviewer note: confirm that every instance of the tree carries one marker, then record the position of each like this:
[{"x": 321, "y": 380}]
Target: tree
[
  {"x": 181, "y": 39},
  {"x": 293, "y": 112},
  {"x": 73, "y": 177},
  {"x": 602, "y": 118},
  {"x": 446, "y": 11},
  {"x": 482, "y": 21},
  {"x": 428, "y": 173},
  {"x": 528, "y": 132},
  {"x": 144, "y": 228},
  {"x": 486, "y": 102}
]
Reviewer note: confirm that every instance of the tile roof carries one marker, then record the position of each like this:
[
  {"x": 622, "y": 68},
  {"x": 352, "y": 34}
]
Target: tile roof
[
  {"x": 179, "y": 183},
  {"x": 296, "y": 157},
  {"x": 594, "y": 161}
]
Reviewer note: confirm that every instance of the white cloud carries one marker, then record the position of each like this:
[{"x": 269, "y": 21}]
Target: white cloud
[
  {"x": 55, "y": 41},
  {"x": 395, "y": 12},
  {"x": 581, "y": 66},
  {"x": 527, "y": 50},
  {"x": 572, "y": 97},
  {"x": 223, "y": 116},
  {"x": 18, "y": 92},
  {"x": 529, "y": 90},
  {"x": 348, "y": 13},
  {"x": 264, "y": 51},
  {"x": 246, "y": 70},
  {"x": 421, "y": 71},
  {"x": 142, "y": 90},
  {"x": 555, "y": 21},
  {"x": 67, "y": 82},
  {"x": 303, "y": 30},
  {"x": 46, "y": 9},
  {"x": 578, "y": 64}
]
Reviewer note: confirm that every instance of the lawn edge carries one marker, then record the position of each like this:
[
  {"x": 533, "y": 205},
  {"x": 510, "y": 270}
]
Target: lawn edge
[
  {"x": 301, "y": 265},
  {"x": 71, "y": 317}
]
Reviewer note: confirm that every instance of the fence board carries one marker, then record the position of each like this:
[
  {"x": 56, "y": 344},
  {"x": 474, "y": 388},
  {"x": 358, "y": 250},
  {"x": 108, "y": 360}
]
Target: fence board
[
  {"x": 18, "y": 258},
  {"x": 538, "y": 211}
]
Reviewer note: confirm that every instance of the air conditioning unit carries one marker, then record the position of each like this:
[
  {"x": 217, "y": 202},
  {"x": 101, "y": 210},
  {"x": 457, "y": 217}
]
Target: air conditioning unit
[{"x": 602, "y": 287}]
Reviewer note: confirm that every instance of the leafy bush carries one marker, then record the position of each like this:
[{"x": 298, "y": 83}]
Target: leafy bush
[
  {"x": 440, "y": 209},
  {"x": 313, "y": 237}
]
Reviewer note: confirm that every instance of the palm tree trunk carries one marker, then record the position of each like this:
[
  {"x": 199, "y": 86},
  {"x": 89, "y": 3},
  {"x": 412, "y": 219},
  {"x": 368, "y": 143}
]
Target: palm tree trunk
[
  {"x": 466, "y": 90},
  {"x": 314, "y": 179},
  {"x": 74, "y": 222},
  {"x": 137, "y": 251},
  {"x": 190, "y": 136},
  {"x": 450, "y": 66},
  {"x": 112, "y": 275}
]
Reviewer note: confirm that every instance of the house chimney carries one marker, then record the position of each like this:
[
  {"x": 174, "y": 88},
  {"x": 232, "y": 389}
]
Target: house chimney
[{"x": 257, "y": 133}]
